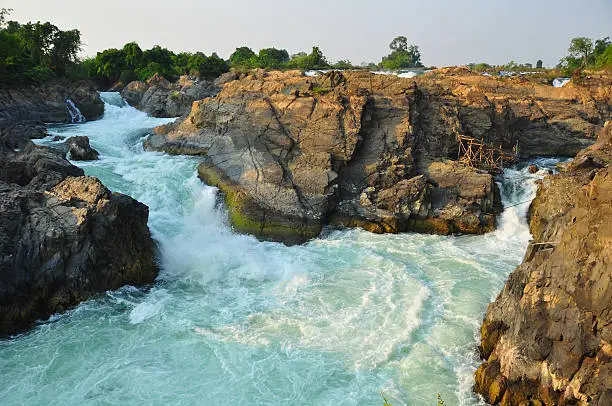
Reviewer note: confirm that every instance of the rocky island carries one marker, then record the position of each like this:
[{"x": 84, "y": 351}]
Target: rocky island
[{"x": 293, "y": 153}]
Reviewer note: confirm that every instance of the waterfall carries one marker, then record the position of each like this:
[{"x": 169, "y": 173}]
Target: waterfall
[
  {"x": 75, "y": 113},
  {"x": 560, "y": 82}
]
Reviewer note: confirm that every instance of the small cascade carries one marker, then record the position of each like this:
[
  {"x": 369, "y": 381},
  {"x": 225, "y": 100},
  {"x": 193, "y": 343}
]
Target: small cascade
[
  {"x": 75, "y": 113},
  {"x": 560, "y": 82},
  {"x": 113, "y": 99}
]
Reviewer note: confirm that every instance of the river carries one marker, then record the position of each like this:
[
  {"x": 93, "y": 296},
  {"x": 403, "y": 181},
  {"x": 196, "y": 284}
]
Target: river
[{"x": 232, "y": 320}]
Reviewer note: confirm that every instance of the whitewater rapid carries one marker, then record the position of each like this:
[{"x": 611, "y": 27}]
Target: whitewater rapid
[{"x": 337, "y": 321}]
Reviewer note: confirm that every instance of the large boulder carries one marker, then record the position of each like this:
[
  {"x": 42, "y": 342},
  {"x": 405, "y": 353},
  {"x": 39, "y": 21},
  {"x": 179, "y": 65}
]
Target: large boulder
[
  {"x": 161, "y": 98},
  {"x": 80, "y": 150},
  {"x": 63, "y": 237},
  {"x": 547, "y": 338}
]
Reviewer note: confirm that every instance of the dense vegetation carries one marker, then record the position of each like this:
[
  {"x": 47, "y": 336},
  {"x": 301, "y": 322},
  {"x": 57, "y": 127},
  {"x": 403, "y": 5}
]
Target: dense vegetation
[
  {"x": 132, "y": 63},
  {"x": 35, "y": 52},
  {"x": 584, "y": 53}
]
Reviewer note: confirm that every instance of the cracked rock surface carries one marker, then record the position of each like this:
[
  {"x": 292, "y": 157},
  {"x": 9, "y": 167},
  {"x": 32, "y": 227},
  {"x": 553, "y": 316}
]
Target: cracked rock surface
[
  {"x": 547, "y": 338},
  {"x": 161, "y": 98},
  {"x": 63, "y": 237},
  {"x": 293, "y": 153}
]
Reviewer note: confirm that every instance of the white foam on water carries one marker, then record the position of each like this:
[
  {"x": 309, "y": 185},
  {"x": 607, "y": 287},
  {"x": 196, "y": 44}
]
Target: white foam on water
[
  {"x": 560, "y": 82},
  {"x": 235, "y": 320}
]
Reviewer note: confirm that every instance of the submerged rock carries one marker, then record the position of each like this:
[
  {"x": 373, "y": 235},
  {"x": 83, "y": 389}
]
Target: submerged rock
[
  {"x": 63, "y": 237},
  {"x": 547, "y": 338},
  {"x": 80, "y": 150},
  {"x": 161, "y": 98}
]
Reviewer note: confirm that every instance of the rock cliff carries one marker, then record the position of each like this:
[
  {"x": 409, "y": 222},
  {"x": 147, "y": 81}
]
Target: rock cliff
[
  {"x": 293, "y": 153},
  {"x": 547, "y": 339},
  {"x": 25, "y": 110}
]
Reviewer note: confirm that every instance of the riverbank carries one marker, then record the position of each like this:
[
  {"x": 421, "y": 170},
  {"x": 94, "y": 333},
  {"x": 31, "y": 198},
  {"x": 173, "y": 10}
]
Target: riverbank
[
  {"x": 64, "y": 237},
  {"x": 547, "y": 337}
]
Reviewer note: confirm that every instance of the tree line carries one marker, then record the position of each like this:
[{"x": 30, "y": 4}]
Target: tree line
[
  {"x": 583, "y": 53},
  {"x": 36, "y": 52}
]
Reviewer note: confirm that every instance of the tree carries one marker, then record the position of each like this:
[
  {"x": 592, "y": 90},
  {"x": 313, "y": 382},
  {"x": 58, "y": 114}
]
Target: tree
[
  {"x": 402, "y": 55},
  {"x": 243, "y": 57},
  {"x": 343, "y": 64},
  {"x": 213, "y": 66},
  {"x": 581, "y": 47},
  {"x": 159, "y": 59},
  {"x": 604, "y": 60},
  {"x": 66, "y": 46},
  {"x": 109, "y": 64},
  {"x": 4, "y": 12},
  {"x": 272, "y": 58},
  {"x": 600, "y": 46},
  {"x": 399, "y": 44},
  {"x": 539, "y": 64},
  {"x": 314, "y": 60},
  {"x": 132, "y": 55},
  {"x": 34, "y": 52}
]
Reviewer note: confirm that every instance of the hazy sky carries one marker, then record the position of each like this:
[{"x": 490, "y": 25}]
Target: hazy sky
[{"x": 449, "y": 32}]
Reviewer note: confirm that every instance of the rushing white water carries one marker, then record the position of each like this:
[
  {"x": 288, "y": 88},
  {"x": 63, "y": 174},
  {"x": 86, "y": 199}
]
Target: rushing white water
[
  {"x": 560, "y": 82},
  {"x": 75, "y": 113},
  {"x": 233, "y": 320}
]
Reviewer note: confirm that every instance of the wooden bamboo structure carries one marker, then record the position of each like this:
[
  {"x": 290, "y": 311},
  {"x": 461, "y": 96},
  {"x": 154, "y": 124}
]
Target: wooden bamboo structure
[{"x": 477, "y": 154}]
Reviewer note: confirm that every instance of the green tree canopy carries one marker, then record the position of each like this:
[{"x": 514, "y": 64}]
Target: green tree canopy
[
  {"x": 586, "y": 53},
  {"x": 581, "y": 47},
  {"x": 402, "y": 55},
  {"x": 213, "y": 66},
  {"x": 35, "y": 51},
  {"x": 133, "y": 55},
  {"x": 343, "y": 64},
  {"x": 314, "y": 60},
  {"x": 272, "y": 58},
  {"x": 243, "y": 57},
  {"x": 399, "y": 44}
]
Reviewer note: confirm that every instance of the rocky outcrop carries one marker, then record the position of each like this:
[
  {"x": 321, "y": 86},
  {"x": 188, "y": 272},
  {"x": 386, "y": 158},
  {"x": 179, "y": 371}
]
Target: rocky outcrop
[
  {"x": 25, "y": 110},
  {"x": 161, "y": 98},
  {"x": 540, "y": 119},
  {"x": 293, "y": 153},
  {"x": 63, "y": 237},
  {"x": 80, "y": 150},
  {"x": 547, "y": 339}
]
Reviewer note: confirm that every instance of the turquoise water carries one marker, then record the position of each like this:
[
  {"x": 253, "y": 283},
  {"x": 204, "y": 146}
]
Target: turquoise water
[{"x": 232, "y": 320}]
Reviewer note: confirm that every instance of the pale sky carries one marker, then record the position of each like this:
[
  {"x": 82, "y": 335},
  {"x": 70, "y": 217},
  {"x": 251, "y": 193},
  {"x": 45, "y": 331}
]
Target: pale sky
[{"x": 448, "y": 32}]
